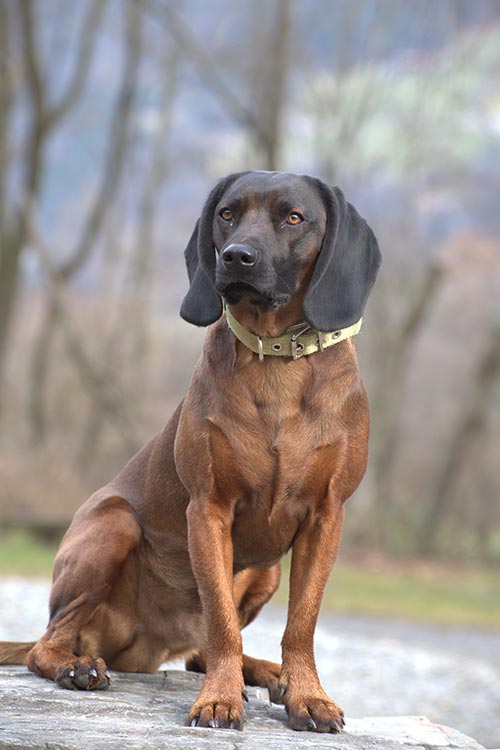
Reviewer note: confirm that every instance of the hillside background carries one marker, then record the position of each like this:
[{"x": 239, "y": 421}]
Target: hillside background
[{"x": 117, "y": 116}]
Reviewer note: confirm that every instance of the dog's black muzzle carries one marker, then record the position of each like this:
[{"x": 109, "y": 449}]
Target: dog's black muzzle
[{"x": 243, "y": 272}]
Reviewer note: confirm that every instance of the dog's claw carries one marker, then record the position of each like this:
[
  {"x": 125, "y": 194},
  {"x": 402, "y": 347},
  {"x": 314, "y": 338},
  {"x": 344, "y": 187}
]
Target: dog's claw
[
  {"x": 71, "y": 673},
  {"x": 282, "y": 689},
  {"x": 107, "y": 674},
  {"x": 311, "y": 724},
  {"x": 245, "y": 696},
  {"x": 193, "y": 723},
  {"x": 93, "y": 672},
  {"x": 235, "y": 724}
]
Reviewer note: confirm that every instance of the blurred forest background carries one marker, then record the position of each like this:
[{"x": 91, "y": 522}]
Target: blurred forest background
[{"x": 117, "y": 116}]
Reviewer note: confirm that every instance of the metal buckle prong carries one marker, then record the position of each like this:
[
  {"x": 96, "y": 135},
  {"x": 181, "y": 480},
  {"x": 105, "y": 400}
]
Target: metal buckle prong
[
  {"x": 297, "y": 348},
  {"x": 261, "y": 349}
]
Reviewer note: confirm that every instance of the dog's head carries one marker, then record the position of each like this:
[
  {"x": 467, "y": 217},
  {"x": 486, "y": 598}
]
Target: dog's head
[{"x": 261, "y": 235}]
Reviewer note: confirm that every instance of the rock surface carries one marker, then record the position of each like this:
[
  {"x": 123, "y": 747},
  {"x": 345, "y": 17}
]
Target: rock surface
[
  {"x": 370, "y": 666},
  {"x": 148, "y": 711}
]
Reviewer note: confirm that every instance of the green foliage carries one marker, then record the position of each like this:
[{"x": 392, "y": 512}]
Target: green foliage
[
  {"x": 409, "y": 118},
  {"x": 471, "y": 598},
  {"x": 21, "y": 554},
  {"x": 456, "y": 597}
]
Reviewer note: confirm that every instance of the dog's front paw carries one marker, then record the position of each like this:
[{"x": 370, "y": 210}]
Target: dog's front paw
[
  {"x": 219, "y": 708},
  {"x": 308, "y": 706},
  {"x": 84, "y": 674},
  {"x": 315, "y": 714}
]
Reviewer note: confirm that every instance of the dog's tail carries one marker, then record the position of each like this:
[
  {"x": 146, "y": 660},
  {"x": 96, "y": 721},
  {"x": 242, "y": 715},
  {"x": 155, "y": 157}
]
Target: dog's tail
[{"x": 14, "y": 653}]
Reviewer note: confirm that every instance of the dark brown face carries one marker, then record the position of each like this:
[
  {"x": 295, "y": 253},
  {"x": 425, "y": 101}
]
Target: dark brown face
[
  {"x": 265, "y": 237},
  {"x": 267, "y": 231}
]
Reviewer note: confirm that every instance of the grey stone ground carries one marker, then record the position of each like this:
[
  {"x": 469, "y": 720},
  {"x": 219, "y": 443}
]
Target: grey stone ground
[
  {"x": 147, "y": 711},
  {"x": 371, "y": 667}
]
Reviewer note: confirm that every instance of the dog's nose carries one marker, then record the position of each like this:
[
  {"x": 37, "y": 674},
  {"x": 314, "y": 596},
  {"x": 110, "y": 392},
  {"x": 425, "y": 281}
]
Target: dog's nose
[{"x": 239, "y": 255}]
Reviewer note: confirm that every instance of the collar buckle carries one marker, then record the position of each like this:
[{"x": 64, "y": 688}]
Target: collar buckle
[{"x": 296, "y": 345}]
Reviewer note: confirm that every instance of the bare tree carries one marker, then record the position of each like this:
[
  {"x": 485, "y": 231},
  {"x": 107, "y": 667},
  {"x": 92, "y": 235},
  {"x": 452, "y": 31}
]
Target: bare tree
[
  {"x": 271, "y": 69},
  {"x": 44, "y": 115},
  {"x": 388, "y": 399},
  {"x": 471, "y": 426},
  {"x": 116, "y": 152},
  {"x": 262, "y": 119},
  {"x": 140, "y": 274}
]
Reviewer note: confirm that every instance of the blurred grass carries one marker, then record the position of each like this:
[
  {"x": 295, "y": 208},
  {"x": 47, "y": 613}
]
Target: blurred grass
[
  {"x": 23, "y": 555},
  {"x": 401, "y": 589},
  {"x": 412, "y": 591},
  {"x": 469, "y": 598}
]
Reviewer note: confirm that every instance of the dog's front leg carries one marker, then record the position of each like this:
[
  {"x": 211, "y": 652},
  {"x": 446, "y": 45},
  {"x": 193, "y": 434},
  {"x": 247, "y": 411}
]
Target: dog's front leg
[
  {"x": 219, "y": 703},
  {"x": 313, "y": 555}
]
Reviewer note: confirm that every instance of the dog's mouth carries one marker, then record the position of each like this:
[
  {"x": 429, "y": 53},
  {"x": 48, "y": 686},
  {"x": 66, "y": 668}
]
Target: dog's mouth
[{"x": 237, "y": 290}]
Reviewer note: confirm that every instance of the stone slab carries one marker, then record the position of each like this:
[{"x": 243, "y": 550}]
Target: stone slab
[{"x": 147, "y": 712}]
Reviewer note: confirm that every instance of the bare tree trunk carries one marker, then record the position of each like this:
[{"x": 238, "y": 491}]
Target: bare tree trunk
[
  {"x": 470, "y": 427},
  {"x": 91, "y": 433},
  {"x": 138, "y": 312},
  {"x": 95, "y": 375},
  {"x": 40, "y": 367},
  {"x": 271, "y": 83},
  {"x": 388, "y": 399},
  {"x": 43, "y": 117},
  {"x": 6, "y": 75},
  {"x": 10, "y": 249},
  {"x": 13, "y": 220},
  {"x": 110, "y": 180},
  {"x": 158, "y": 169}
]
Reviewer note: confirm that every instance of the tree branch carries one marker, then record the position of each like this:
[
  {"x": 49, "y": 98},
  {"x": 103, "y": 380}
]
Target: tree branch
[
  {"x": 34, "y": 77},
  {"x": 117, "y": 144},
  {"x": 5, "y": 110},
  {"x": 206, "y": 67},
  {"x": 96, "y": 378},
  {"x": 81, "y": 66}
]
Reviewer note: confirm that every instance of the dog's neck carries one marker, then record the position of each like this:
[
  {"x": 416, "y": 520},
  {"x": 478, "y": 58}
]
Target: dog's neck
[{"x": 273, "y": 322}]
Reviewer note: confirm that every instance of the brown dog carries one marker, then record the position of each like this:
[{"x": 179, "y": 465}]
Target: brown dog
[{"x": 182, "y": 549}]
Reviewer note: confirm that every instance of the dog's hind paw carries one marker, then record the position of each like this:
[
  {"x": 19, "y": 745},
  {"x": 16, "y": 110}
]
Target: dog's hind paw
[{"x": 84, "y": 674}]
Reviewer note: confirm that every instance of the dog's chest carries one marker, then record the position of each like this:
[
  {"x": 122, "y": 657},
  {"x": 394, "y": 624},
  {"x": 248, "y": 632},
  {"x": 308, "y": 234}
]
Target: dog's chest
[
  {"x": 264, "y": 528},
  {"x": 274, "y": 474}
]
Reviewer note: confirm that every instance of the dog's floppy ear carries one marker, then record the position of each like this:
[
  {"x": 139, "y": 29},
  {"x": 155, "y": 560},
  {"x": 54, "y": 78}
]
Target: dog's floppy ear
[
  {"x": 346, "y": 267},
  {"x": 202, "y": 304}
]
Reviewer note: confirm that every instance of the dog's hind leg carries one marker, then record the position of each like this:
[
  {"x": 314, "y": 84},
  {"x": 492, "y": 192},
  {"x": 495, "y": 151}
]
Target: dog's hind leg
[{"x": 90, "y": 560}]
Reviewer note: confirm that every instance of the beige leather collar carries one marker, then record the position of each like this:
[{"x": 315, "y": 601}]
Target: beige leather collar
[{"x": 299, "y": 340}]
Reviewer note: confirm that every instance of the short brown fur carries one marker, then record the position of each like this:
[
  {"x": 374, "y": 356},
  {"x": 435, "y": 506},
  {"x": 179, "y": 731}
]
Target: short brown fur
[{"x": 182, "y": 549}]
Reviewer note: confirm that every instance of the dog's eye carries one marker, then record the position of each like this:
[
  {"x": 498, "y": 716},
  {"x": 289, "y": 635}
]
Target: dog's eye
[
  {"x": 294, "y": 218},
  {"x": 226, "y": 214}
]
